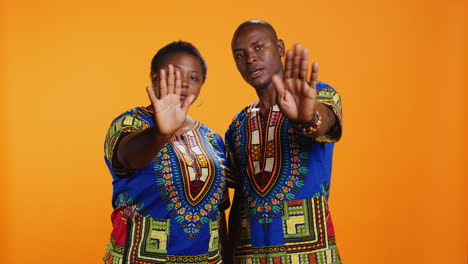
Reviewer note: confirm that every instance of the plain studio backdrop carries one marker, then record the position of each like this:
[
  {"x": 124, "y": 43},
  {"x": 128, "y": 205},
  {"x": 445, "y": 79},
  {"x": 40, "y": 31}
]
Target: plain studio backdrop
[{"x": 398, "y": 192}]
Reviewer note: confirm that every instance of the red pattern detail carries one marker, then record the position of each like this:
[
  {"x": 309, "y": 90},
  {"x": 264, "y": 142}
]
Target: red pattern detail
[
  {"x": 313, "y": 258},
  {"x": 119, "y": 232},
  {"x": 330, "y": 228},
  {"x": 195, "y": 187},
  {"x": 262, "y": 179},
  {"x": 274, "y": 117},
  {"x": 277, "y": 260},
  {"x": 254, "y": 123},
  {"x": 295, "y": 202},
  {"x": 263, "y": 182}
]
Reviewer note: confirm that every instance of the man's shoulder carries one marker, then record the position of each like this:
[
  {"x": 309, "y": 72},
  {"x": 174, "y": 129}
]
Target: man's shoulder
[
  {"x": 323, "y": 86},
  {"x": 240, "y": 116}
]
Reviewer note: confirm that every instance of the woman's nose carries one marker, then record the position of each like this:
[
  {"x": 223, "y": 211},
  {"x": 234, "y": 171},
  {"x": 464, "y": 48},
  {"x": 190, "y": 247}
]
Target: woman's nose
[{"x": 185, "y": 82}]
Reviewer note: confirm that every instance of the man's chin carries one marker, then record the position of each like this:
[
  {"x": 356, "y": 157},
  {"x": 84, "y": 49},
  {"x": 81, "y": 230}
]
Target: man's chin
[{"x": 259, "y": 83}]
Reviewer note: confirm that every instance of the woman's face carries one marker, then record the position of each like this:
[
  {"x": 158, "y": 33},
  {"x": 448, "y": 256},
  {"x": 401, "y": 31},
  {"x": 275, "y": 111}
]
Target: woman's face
[{"x": 190, "y": 72}]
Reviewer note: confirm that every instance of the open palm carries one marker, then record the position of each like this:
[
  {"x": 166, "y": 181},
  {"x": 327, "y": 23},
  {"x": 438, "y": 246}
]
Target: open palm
[
  {"x": 295, "y": 96},
  {"x": 169, "y": 112}
]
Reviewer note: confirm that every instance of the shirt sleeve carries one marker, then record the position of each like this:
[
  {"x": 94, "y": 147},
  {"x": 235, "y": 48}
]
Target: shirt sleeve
[
  {"x": 120, "y": 127},
  {"x": 329, "y": 97}
]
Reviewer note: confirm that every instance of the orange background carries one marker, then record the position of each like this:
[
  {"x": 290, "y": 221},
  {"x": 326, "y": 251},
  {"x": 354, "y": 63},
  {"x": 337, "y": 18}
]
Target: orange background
[{"x": 69, "y": 67}]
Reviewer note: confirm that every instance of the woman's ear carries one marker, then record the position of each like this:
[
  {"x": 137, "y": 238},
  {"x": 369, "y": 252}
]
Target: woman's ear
[{"x": 154, "y": 78}]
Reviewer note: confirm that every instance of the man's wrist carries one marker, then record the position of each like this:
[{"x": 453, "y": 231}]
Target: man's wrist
[{"x": 310, "y": 127}]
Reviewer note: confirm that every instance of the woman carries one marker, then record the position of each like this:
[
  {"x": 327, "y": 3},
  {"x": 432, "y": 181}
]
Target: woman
[{"x": 168, "y": 170}]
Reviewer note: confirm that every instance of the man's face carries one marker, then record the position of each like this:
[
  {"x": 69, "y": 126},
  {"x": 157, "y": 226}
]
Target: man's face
[{"x": 257, "y": 54}]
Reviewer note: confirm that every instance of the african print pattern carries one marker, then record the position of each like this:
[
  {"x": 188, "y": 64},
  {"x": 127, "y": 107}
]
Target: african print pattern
[
  {"x": 125, "y": 124},
  {"x": 166, "y": 212},
  {"x": 264, "y": 162},
  {"x": 276, "y": 165},
  {"x": 329, "y": 256},
  {"x": 185, "y": 187},
  {"x": 148, "y": 243},
  {"x": 308, "y": 236},
  {"x": 329, "y": 97}
]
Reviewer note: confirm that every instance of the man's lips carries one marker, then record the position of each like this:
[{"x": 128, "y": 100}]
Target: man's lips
[{"x": 254, "y": 73}]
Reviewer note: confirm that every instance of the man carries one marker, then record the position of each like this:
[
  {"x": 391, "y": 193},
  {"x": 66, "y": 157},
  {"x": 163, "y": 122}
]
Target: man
[{"x": 280, "y": 152}]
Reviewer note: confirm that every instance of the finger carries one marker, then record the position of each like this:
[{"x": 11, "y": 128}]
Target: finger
[
  {"x": 170, "y": 79},
  {"x": 314, "y": 75},
  {"x": 279, "y": 87},
  {"x": 178, "y": 82},
  {"x": 151, "y": 94},
  {"x": 304, "y": 64},
  {"x": 162, "y": 83},
  {"x": 187, "y": 102},
  {"x": 288, "y": 64},
  {"x": 296, "y": 61}
]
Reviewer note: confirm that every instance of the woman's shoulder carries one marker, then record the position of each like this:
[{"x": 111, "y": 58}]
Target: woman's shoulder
[{"x": 140, "y": 113}]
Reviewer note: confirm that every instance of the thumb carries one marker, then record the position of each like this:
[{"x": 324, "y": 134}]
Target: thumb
[
  {"x": 187, "y": 102},
  {"x": 279, "y": 86},
  {"x": 151, "y": 94}
]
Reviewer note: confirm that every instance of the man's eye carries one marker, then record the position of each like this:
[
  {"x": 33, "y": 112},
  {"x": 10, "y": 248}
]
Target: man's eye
[
  {"x": 238, "y": 55},
  {"x": 259, "y": 47},
  {"x": 194, "y": 78}
]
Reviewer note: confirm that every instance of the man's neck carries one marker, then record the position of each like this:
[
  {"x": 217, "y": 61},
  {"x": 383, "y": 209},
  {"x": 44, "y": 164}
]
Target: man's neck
[{"x": 267, "y": 98}]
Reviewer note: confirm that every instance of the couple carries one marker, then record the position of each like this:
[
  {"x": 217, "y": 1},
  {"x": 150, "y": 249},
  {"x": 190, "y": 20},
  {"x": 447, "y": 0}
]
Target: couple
[{"x": 171, "y": 172}]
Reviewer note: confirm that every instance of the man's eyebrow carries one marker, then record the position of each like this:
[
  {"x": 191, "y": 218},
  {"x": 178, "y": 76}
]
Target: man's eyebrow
[
  {"x": 252, "y": 44},
  {"x": 256, "y": 42}
]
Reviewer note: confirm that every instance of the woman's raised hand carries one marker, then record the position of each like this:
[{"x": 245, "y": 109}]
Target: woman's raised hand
[{"x": 169, "y": 111}]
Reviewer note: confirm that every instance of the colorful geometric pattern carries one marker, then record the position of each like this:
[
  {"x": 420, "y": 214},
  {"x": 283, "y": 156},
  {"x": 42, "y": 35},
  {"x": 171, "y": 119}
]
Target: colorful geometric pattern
[
  {"x": 214, "y": 237},
  {"x": 148, "y": 240},
  {"x": 276, "y": 166},
  {"x": 125, "y": 124},
  {"x": 287, "y": 221},
  {"x": 176, "y": 182},
  {"x": 331, "y": 98},
  {"x": 197, "y": 170},
  {"x": 329, "y": 256},
  {"x": 175, "y": 197},
  {"x": 263, "y": 151},
  {"x": 307, "y": 236},
  {"x": 148, "y": 244}
]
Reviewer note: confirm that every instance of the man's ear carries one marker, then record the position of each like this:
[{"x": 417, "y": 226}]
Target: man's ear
[{"x": 280, "y": 45}]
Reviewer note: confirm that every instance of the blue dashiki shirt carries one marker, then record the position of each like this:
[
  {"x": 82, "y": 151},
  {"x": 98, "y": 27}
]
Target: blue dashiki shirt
[
  {"x": 168, "y": 211},
  {"x": 282, "y": 180}
]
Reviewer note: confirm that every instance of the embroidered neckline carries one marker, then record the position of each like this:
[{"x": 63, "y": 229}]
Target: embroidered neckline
[
  {"x": 264, "y": 164},
  {"x": 197, "y": 168}
]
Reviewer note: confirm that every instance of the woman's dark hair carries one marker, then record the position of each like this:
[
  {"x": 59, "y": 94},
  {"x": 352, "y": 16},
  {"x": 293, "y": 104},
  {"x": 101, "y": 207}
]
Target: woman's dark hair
[{"x": 175, "y": 47}]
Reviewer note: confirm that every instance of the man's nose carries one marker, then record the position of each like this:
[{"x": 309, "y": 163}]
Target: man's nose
[{"x": 251, "y": 57}]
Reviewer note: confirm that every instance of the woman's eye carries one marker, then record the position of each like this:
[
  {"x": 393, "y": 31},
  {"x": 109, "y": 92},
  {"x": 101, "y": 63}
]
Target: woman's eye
[{"x": 194, "y": 78}]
